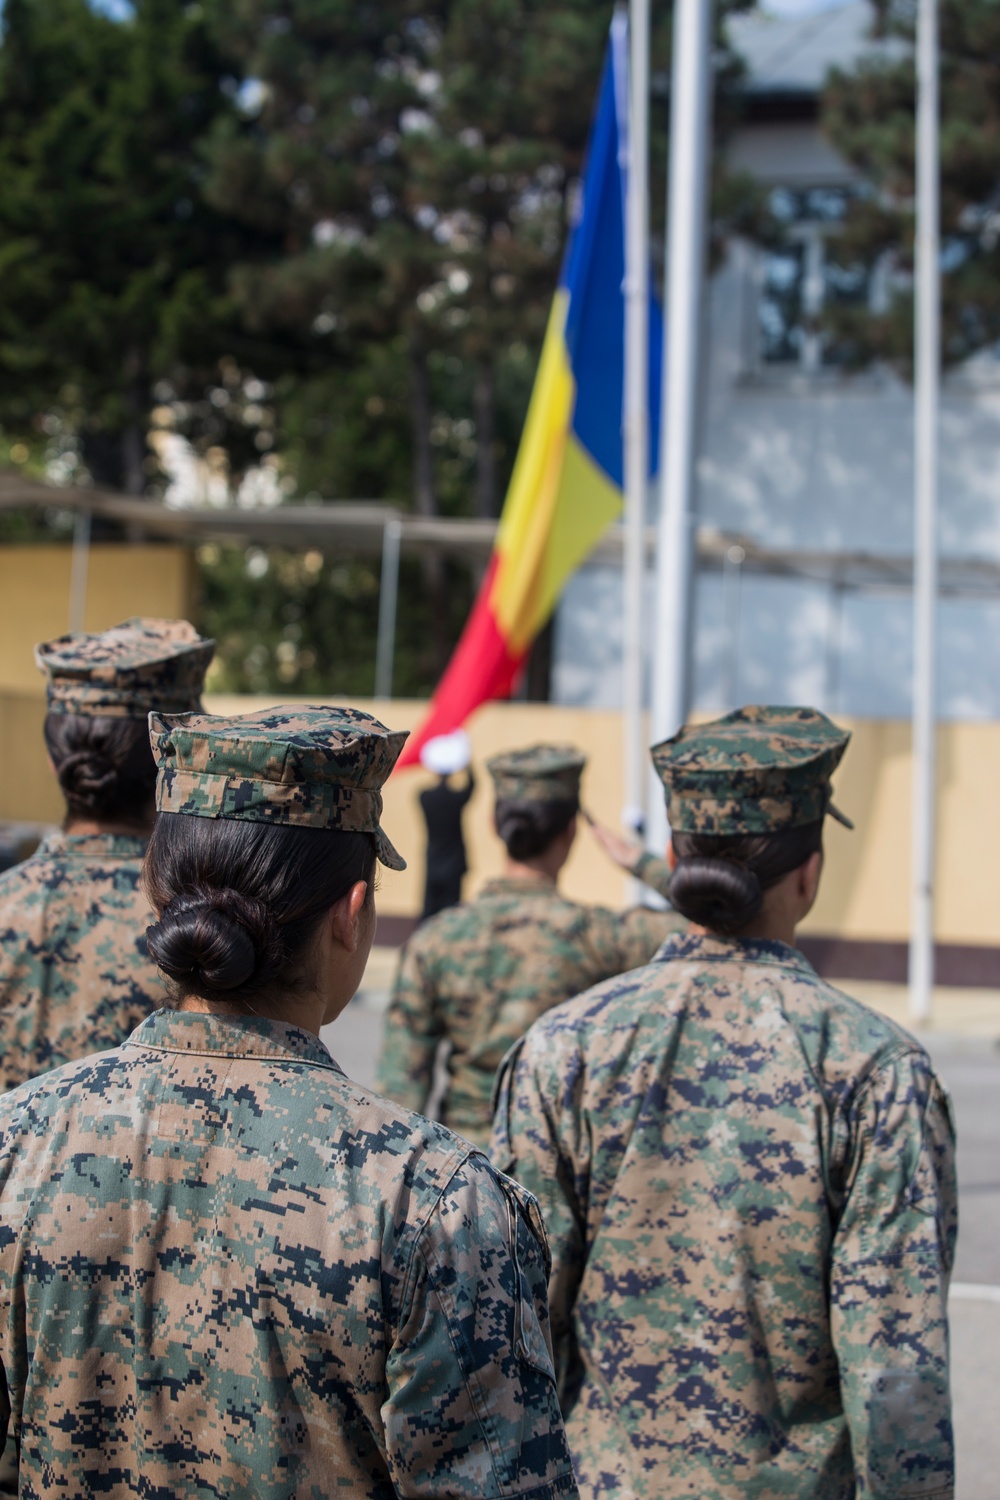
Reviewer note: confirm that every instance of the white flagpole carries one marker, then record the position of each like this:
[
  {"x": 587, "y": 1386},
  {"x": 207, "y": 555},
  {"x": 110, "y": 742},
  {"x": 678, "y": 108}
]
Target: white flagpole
[
  {"x": 686, "y": 227},
  {"x": 634, "y": 146},
  {"x": 927, "y": 339},
  {"x": 79, "y": 568},
  {"x": 388, "y": 596}
]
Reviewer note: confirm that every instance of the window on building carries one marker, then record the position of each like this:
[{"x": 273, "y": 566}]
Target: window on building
[{"x": 801, "y": 275}]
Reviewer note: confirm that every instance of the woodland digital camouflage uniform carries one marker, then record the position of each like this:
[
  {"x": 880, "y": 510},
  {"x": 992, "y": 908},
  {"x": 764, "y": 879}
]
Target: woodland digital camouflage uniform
[
  {"x": 126, "y": 671},
  {"x": 312, "y": 767},
  {"x": 749, "y": 1185},
  {"x": 74, "y": 973},
  {"x": 479, "y": 975},
  {"x": 226, "y": 1270},
  {"x": 75, "y": 976},
  {"x": 756, "y": 770},
  {"x": 538, "y": 773}
]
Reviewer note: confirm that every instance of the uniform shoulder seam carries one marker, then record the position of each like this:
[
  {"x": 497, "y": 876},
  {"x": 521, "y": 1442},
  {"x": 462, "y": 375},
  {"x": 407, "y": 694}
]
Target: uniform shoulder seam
[
  {"x": 902, "y": 1049},
  {"x": 450, "y": 1167},
  {"x": 896, "y": 1042}
]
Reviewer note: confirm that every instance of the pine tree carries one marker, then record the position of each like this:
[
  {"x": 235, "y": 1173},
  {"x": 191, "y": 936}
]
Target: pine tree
[
  {"x": 321, "y": 160},
  {"x": 502, "y": 144},
  {"x": 417, "y": 160},
  {"x": 869, "y": 115},
  {"x": 113, "y": 266}
]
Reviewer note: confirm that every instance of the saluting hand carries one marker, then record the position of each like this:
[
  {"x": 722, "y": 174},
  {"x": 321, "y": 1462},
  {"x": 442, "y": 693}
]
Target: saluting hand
[{"x": 623, "y": 850}]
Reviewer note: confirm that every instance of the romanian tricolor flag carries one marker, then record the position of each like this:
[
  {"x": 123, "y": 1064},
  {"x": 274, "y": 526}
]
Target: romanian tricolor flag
[{"x": 567, "y": 483}]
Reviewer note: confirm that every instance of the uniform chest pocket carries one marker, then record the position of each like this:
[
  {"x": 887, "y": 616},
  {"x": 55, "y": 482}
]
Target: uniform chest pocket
[{"x": 532, "y": 1263}]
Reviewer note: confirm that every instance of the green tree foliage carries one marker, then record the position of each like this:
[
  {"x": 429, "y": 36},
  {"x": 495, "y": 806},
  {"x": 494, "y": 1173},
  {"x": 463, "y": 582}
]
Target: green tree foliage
[
  {"x": 320, "y": 162},
  {"x": 112, "y": 264},
  {"x": 415, "y": 160},
  {"x": 307, "y": 623},
  {"x": 869, "y": 116},
  {"x": 318, "y": 234},
  {"x": 493, "y": 157}
]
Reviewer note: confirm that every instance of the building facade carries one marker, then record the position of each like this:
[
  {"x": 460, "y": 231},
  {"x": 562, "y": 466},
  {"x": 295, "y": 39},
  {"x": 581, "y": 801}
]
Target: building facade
[{"x": 801, "y": 458}]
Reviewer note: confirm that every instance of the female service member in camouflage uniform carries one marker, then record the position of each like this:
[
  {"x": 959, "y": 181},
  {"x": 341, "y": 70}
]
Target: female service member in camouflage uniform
[
  {"x": 75, "y": 976},
  {"x": 748, "y": 1178},
  {"x": 477, "y": 975},
  {"x": 225, "y": 1270}
]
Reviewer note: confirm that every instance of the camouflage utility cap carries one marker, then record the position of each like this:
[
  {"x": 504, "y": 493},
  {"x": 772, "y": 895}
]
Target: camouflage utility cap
[
  {"x": 309, "y": 767},
  {"x": 125, "y": 672},
  {"x": 758, "y": 770},
  {"x": 542, "y": 773}
]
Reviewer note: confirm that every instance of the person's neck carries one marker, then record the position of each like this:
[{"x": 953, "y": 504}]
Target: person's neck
[
  {"x": 536, "y": 871},
  {"x": 304, "y": 1011},
  {"x": 762, "y": 930},
  {"x": 87, "y": 828}
]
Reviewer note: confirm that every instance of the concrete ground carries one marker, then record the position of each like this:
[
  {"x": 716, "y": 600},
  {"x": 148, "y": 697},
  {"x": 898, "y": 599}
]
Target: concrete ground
[{"x": 965, "y": 1045}]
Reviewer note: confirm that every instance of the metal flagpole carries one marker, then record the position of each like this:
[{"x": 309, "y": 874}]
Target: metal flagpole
[
  {"x": 79, "y": 568},
  {"x": 927, "y": 338},
  {"x": 686, "y": 216},
  {"x": 385, "y": 649},
  {"x": 635, "y": 150}
]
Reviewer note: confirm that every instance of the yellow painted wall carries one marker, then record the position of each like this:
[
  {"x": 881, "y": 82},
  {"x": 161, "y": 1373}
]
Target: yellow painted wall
[
  {"x": 865, "y": 892},
  {"x": 28, "y": 790},
  {"x": 866, "y": 888},
  {"x": 122, "y": 580}
]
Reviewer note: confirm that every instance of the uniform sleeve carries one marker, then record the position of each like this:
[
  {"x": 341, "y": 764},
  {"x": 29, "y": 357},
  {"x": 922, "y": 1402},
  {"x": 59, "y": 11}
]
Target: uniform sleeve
[
  {"x": 472, "y": 1408},
  {"x": 642, "y": 931},
  {"x": 892, "y": 1257},
  {"x": 654, "y": 872},
  {"x": 411, "y": 1031},
  {"x": 624, "y": 940},
  {"x": 10, "y": 1461},
  {"x": 526, "y": 1144}
]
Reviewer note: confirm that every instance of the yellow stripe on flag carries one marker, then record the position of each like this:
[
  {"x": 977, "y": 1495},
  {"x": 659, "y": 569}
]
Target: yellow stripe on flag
[
  {"x": 559, "y": 502},
  {"x": 586, "y": 505},
  {"x": 526, "y": 522}
]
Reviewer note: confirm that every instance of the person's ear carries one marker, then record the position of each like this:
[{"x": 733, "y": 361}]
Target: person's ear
[
  {"x": 346, "y": 916},
  {"x": 809, "y": 877},
  {"x": 671, "y": 856}
]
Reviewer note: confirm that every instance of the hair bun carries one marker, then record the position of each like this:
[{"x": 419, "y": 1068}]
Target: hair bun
[
  {"x": 528, "y": 828},
  {"x": 87, "y": 777},
  {"x": 105, "y": 767},
  {"x": 518, "y": 831},
  {"x": 715, "y": 893},
  {"x": 211, "y": 941}
]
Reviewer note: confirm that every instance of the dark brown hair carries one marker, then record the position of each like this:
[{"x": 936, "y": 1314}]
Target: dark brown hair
[
  {"x": 720, "y": 880},
  {"x": 105, "y": 767},
  {"x": 239, "y": 902},
  {"x": 528, "y": 828}
]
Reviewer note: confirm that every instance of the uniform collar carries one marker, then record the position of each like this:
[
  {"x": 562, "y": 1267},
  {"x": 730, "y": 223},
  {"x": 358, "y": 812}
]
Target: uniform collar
[
  {"x": 693, "y": 947},
  {"x": 230, "y": 1036},
  {"x": 518, "y": 885},
  {"x": 93, "y": 845}
]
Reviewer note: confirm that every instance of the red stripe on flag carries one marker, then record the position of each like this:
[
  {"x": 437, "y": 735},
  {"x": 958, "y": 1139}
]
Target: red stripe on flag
[{"x": 482, "y": 668}]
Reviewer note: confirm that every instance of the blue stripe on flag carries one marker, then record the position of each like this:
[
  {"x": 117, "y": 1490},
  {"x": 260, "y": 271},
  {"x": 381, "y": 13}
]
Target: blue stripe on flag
[{"x": 593, "y": 274}]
